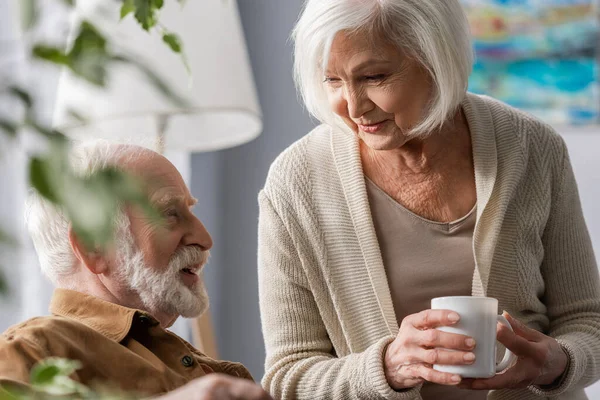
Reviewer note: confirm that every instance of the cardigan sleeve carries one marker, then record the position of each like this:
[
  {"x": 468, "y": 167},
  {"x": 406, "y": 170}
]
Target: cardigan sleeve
[
  {"x": 572, "y": 293},
  {"x": 301, "y": 362}
]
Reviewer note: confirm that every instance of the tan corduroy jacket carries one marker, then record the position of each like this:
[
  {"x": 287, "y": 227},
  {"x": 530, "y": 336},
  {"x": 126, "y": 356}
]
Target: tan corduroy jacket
[
  {"x": 326, "y": 308},
  {"x": 118, "y": 347}
]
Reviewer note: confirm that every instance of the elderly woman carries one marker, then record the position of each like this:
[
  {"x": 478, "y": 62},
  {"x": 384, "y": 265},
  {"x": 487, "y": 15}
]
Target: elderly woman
[{"x": 411, "y": 189}]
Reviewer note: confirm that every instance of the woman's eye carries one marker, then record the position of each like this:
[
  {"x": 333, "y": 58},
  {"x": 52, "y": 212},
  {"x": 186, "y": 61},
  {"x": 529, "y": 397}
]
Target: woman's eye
[{"x": 329, "y": 79}]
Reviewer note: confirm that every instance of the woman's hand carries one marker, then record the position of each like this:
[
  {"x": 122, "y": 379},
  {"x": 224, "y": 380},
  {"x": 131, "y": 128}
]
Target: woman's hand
[
  {"x": 541, "y": 359},
  {"x": 409, "y": 359}
]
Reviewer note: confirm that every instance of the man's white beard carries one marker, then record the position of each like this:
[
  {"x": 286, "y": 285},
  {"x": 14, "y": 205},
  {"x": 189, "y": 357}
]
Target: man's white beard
[{"x": 162, "y": 292}]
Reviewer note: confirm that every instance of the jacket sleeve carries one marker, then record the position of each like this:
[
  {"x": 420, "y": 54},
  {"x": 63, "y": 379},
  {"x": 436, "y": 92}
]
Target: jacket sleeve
[
  {"x": 301, "y": 362},
  {"x": 17, "y": 358},
  {"x": 572, "y": 294}
]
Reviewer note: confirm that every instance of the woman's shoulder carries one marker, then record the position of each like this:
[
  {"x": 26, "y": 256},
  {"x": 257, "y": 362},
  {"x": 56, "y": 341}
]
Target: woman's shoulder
[
  {"x": 295, "y": 162},
  {"x": 512, "y": 124}
]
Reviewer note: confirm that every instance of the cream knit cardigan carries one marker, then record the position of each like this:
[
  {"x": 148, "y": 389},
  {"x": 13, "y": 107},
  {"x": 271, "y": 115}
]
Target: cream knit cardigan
[{"x": 326, "y": 308}]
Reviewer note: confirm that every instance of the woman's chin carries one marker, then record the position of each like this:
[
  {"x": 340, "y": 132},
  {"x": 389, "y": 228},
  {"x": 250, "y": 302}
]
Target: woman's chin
[{"x": 382, "y": 142}]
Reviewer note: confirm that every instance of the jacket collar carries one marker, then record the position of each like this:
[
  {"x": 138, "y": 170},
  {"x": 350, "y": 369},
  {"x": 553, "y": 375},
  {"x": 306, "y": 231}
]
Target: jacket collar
[{"x": 109, "y": 319}]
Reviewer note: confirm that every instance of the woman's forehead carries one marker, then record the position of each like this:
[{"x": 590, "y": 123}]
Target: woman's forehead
[{"x": 353, "y": 50}]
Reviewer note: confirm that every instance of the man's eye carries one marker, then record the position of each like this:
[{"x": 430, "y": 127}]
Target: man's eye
[{"x": 171, "y": 213}]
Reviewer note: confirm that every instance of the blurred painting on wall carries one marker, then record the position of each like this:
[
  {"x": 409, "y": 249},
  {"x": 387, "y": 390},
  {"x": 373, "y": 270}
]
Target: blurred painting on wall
[{"x": 542, "y": 56}]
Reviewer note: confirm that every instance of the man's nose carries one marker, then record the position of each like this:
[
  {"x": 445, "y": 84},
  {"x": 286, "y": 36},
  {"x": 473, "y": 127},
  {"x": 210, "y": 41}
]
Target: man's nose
[{"x": 198, "y": 235}]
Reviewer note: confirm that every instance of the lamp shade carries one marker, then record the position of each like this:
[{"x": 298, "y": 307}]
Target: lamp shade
[{"x": 222, "y": 109}]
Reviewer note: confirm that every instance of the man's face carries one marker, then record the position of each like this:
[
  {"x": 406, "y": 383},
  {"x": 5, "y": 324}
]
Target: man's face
[{"x": 161, "y": 262}]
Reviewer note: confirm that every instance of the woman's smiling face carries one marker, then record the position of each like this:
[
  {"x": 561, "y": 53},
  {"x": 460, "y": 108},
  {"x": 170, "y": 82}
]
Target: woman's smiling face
[{"x": 378, "y": 91}]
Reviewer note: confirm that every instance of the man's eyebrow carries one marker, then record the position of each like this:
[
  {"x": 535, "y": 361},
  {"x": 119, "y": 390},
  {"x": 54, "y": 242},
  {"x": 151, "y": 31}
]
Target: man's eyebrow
[{"x": 169, "y": 199}]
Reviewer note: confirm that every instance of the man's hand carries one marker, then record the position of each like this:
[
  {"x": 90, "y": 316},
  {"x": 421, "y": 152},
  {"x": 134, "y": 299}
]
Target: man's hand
[{"x": 218, "y": 387}]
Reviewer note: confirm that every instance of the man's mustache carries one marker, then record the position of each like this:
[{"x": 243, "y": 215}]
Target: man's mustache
[{"x": 189, "y": 256}]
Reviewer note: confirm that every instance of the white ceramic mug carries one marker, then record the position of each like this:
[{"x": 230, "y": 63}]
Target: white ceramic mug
[{"x": 478, "y": 319}]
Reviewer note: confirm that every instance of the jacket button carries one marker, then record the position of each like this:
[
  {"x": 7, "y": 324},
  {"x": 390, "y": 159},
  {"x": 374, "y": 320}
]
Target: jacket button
[
  {"x": 147, "y": 321},
  {"x": 187, "y": 361}
]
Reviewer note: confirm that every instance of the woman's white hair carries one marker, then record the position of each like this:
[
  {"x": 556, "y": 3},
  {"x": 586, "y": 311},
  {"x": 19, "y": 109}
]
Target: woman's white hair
[
  {"x": 435, "y": 33},
  {"x": 48, "y": 225}
]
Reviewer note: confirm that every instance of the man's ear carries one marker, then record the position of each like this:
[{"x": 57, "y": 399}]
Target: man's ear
[{"x": 93, "y": 259}]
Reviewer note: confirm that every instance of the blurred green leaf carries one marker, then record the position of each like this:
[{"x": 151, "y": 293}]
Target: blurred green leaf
[
  {"x": 51, "y": 376},
  {"x": 130, "y": 190},
  {"x": 22, "y": 95},
  {"x": 9, "y": 127},
  {"x": 52, "y": 54},
  {"x": 44, "y": 130},
  {"x": 69, "y": 2},
  {"x": 39, "y": 177},
  {"x": 6, "y": 238},
  {"x": 47, "y": 370},
  {"x": 173, "y": 41},
  {"x": 127, "y": 7},
  {"x": 28, "y": 13},
  {"x": 42, "y": 375},
  {"x": 92, "y": 211},
  {"x": 92, "y": 204},
  {"x": 11, "y": 393},
  {"x": 77, "y": 116},
  {"x": 3, "y": 285},
  {"x": 89, "y": 57},
  {"x": 146, "y": 12}
]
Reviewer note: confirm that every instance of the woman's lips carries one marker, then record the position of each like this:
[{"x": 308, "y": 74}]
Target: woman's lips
[{"x": 372, "y": 128}]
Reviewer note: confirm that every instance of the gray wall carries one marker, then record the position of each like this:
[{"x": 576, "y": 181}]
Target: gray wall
[{"x": 227, "y": 182}]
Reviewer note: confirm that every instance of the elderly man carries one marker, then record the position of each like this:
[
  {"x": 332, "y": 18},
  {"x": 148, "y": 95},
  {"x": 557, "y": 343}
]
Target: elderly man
[{"x": 112, "y": 306}]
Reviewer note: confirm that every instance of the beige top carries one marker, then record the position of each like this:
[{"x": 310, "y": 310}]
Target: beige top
[
  {"x": 423, "y": 259},
  {"x": 326, "y": 309}
]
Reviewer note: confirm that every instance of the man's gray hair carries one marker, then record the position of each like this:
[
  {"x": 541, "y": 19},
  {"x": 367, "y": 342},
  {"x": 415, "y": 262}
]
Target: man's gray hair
[
  {"x": 433, "y": 32},
  {"x": 48, "y": 225}
]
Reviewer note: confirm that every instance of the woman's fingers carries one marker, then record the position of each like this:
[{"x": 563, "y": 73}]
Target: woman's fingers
[
  {"x": 432, "y": 338},
  {"x": 428, "y": 319},
  {"x": 515, "y": 377},
  {"x": 517, "y": 344},
  {"x": 444, "y": 357},
  {"x": 523, "y": 330},
  {"x": 429, "y": 374}
]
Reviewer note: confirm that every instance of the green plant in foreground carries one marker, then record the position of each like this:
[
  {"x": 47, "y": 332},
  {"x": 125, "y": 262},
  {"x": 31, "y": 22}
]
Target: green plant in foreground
[
  {"x": 50, "y": 379},
  {"x": 90, "y": 203}
]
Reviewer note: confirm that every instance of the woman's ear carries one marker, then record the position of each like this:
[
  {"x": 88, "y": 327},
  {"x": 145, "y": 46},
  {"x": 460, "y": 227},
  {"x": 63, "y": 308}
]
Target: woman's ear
[{"x": 93, "y": 259}]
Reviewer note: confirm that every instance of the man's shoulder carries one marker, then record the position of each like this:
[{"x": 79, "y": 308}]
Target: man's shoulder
[
  {"x": 38, "y": 324},
  {"x": 39, "y": 330},
  {"x": 25, "y": 344}
]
